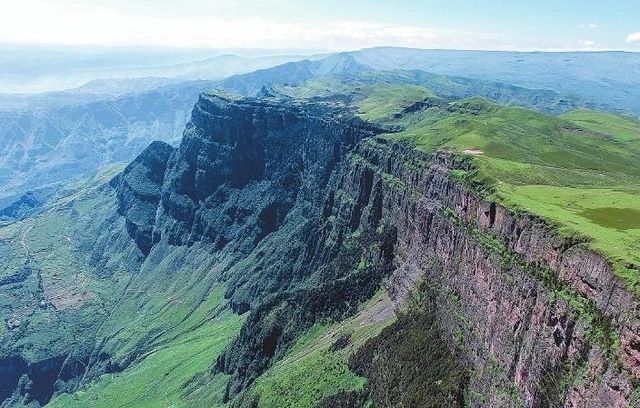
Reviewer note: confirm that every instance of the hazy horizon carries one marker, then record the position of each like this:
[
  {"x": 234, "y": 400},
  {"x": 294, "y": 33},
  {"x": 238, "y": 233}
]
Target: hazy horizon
[
  {"x": 38, "y": 68},
  {"x": 290, "y": 25}
]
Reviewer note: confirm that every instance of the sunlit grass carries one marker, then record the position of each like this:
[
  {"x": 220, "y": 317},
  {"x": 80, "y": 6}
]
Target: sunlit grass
[
  {"x": 581, "y": 171},
  {"x": 176, "y": 374},
  {"x": 312, "y": 370}
]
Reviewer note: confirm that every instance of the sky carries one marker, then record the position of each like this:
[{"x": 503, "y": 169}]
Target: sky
[{"x": 326, "y": 25}]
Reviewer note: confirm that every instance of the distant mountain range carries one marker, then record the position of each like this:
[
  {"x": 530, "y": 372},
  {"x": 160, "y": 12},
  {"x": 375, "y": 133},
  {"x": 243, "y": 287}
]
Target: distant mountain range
[
  {"x": 603, "y": 78},
  {"x": 45, "y": 146},
  {"x": 30, "y": 70}
]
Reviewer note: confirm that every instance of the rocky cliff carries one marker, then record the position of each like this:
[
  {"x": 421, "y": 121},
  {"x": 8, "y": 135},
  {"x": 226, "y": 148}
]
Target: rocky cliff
[
  {"x": 535, "y": 318},
  {"x": 299, "y": 213},
  {"x": 293, "y": 197}
]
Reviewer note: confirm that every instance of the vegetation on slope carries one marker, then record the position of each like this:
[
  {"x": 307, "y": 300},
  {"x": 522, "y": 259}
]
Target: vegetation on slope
[
  {"x": 163, "y": 327},
  {"x": 580, "y": 170},
  {"x": 375, "y": 358},
  {"x": 175, "y": 374},
  {"x": 621, "y": 127},
  {"x": 316, "y": 368},
  {"x": 408, "y": 364},
  {"x": 54, "y": 277}
]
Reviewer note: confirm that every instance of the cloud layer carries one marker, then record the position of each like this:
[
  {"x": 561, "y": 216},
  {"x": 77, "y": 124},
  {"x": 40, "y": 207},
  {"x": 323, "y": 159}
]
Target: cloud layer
[
  {"x": 76, "y": 22},
  {"x": 35, "y": 21}
]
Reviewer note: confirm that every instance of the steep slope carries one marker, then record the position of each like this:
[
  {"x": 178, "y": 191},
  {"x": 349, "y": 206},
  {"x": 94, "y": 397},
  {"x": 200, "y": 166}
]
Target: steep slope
[
  {"x": 53, "y": 294},
  {"x": 290, "y": 253},
  {"x": 572, "y": 315}
]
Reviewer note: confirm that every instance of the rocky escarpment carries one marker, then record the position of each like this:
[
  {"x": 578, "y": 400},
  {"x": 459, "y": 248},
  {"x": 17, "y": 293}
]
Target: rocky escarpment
[
  {"x": 254, "y": 182},
  {"x": 299, "y": 213},
  {"x": 307, "y": 214},
  {"x": 138, "y": 189},
  {"x": 249, "y": 158},
  {"x": 537, "y": 319},
  {"x": 250, "y": 191}
]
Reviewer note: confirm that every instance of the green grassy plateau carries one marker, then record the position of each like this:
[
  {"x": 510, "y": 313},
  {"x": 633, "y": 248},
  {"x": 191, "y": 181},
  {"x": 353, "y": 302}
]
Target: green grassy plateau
[{"x": 580, "y": 171}]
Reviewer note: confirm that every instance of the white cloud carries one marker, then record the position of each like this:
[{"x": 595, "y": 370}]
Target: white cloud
[
  {"x": 586, "y": 43},
  {"x": 37, "y": 21},
  {"x": 589, "y": 26},
  {"x": 633, "y": 37},
  {"x": 230, "y": 24}
]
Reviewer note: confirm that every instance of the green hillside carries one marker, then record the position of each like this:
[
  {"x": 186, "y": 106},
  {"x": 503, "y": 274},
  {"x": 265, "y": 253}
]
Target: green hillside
[
  {"x": 580, "y": 171},
  {"x": 620, "y": 127}
]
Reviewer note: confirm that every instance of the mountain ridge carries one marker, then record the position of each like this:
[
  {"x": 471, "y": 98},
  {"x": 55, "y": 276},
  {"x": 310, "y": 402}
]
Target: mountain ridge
[
  {"x": 278, "y": 222},
  {"x": 299, "y": 246}
]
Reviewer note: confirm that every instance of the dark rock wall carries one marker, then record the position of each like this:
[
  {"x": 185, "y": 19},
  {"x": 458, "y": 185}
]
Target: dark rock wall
[
  {"x": 306, "y": 214},
  {"x": 295, "y": 198},
  {"x": 138, "y": 188}
]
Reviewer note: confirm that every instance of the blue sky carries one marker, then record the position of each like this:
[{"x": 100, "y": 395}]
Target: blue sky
[{"x": 327, "y": 25}]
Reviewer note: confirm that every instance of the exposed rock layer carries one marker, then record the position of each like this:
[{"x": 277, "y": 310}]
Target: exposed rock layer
[
  {"x": 536, "y": 319},
  {"x": 303, "y": 214},
  {"x": 512, "y": 294}
]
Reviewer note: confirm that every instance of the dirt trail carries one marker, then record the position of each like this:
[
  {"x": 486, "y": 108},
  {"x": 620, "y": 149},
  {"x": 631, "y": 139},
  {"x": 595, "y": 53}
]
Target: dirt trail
[{"x": 23, "y": 241}]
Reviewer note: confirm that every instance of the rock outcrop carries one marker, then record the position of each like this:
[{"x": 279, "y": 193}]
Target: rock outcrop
[
  {"x": 292, "y": 196},
  {"x": 138, "y": 188},
  {"x": 302, "y": 212}
]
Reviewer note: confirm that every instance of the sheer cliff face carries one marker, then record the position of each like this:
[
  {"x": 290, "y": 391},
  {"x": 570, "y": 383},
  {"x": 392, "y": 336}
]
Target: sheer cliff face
[
  {"x": 241, "y": 156},
  {"x": 538, "y": 320},
  {"x": 278, "y": 191},
  {"x": 302, "y": 214},
  {"x": 535, "y": 318}
]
